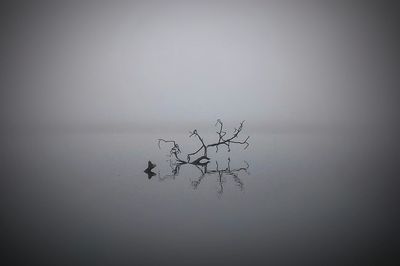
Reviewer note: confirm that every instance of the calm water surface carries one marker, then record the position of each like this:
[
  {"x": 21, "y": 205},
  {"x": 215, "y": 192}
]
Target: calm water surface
[{"x": 83, "y": 199}]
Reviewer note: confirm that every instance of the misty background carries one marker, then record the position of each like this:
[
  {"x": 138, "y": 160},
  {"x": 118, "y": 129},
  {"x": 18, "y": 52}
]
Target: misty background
[
  {"x": 316, "y": 81},
  {"x": 137, "y": 64}
]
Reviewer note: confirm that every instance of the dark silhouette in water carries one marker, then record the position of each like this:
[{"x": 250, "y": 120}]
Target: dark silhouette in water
[
  {"x": 149, "y": 168},
  {"x": 222, "y": 140},
  {"x": 221, "y": 173},
  {"x": 202, "y": 161}
]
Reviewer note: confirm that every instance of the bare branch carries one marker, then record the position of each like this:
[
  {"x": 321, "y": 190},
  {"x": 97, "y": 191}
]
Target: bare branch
[
  {"x": 194, "y": 133},
  {"x": 193, "y": 153},
  {"x": 222, "y": 140},
  {"x": 228, "y": 141},
  {"x": 175, "y": 150}
]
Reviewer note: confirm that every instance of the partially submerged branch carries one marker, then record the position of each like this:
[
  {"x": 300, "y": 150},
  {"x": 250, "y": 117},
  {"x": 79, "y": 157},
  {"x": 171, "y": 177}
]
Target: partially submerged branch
[{"x": 222, "y": 140}]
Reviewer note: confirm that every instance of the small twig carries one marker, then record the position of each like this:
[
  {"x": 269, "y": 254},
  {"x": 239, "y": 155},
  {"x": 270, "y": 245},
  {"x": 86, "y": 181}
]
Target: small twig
[{"x": 175, "y": 150}]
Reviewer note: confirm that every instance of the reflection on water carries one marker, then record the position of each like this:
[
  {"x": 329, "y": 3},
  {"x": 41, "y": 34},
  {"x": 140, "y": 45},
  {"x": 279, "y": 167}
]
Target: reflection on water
[
  {"x": 199, "y": 158},
  {"x": 221, "y": 174},
  {"x": 311, "y": 199}
]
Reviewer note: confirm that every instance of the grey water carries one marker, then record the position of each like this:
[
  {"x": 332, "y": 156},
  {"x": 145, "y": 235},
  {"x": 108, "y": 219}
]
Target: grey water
[{"x": 302, "y": 199}]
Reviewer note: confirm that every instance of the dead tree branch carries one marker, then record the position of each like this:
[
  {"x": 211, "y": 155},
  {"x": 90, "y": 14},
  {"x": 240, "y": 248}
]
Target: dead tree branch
[
  {"x": 175, "y": 150},
  {"x": 222, "y": 140},
  {"x": 232, "y": 139}
]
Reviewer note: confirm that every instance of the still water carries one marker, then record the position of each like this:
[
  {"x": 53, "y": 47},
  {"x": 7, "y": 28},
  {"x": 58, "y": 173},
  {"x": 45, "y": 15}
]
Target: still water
[{"x": 289, "y": 199}]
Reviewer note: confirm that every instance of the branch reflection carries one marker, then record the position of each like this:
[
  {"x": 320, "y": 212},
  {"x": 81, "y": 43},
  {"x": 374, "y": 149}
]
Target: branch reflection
[{"x": 205, "y": 171}]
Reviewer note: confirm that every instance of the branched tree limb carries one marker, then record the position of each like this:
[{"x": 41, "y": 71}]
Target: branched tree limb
[
  {"x": 222, "y": 140},
  {"x": 232, "y": 139}
]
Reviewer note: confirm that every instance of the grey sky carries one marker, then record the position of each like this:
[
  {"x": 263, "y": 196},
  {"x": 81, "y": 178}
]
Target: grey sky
[{"x": 181, "y": 61}]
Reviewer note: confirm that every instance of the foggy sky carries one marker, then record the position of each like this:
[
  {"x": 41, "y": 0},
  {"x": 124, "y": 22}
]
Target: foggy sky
[{"x": 151, "y": 62}]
